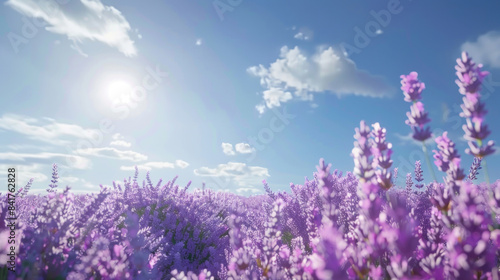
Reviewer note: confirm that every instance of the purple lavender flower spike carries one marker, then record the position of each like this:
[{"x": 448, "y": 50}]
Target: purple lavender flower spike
[
  {"x": 474, "y": 169},
  {"x": 382, "y": 152},
  {"x": 412, "y": 87},
  {"x": 417, "y": 117},
  {"x": 448, "y": 160},
  {"x": 469, "y": 82},
  {"x": 55, "y": 177},
  {"x": 418, "y": 174},
  {"x": 469, "y": 75},
  {"x": 362, "y": 152}
]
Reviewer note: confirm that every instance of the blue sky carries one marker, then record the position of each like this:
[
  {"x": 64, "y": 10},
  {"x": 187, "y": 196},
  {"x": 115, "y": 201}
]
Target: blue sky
[{"x": 229, "y": 92}]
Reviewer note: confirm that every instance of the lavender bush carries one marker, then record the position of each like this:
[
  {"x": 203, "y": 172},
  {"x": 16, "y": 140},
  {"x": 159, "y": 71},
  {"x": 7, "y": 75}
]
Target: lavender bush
[{"x": 357, "y": 225}]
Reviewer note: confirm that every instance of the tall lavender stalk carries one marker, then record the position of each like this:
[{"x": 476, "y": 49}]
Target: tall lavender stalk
[
  {"x": 417, "y": 117},
  {"x": 469, "y": 82}
]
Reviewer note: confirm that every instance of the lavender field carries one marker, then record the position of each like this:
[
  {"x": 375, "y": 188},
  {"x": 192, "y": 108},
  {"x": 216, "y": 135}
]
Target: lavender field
[{"x": 337, "y": 225}]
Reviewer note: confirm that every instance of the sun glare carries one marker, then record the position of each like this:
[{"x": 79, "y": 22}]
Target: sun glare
[{"x": 119, "y": 91}]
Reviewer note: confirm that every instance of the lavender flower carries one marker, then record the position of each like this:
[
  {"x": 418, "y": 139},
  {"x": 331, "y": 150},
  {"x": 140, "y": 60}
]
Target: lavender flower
[
  {"x": 55, "y": 177},
  {"x": 417, "y": 117},
  {"x": 362, "y": 152},
  {"x": 418, "y": 174},
  {"x": 474, "y": 169},
  {"x": 448, "y": 160},
  {"x": 469, "y": 82},
  {"x": 382, "y": 152},
  {"x": 412, "y": 87},
  {"x": 469, "y": 75}
]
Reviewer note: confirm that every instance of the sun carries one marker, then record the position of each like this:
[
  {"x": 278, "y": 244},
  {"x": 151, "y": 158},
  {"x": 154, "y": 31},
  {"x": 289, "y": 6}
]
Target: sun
[{"x": 119, "y": 91}]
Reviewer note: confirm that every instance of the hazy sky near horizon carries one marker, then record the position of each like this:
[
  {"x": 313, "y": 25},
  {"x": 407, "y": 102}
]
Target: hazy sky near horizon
[{"x": 229, "y": 92}]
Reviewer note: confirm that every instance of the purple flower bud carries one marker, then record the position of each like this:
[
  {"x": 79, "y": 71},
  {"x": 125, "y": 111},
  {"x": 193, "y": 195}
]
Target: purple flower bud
[
  {"x": 411, "y": 87},
  {"x": 417, "y": 115},
  {"x": 469, "y": 75}
]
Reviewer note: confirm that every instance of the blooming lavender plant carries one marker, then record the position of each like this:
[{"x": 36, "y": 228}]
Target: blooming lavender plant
[
  {"x": 417, "y": 117},
  {"x": 335, "y": 226},
  {"x": 476, "y": 131}
]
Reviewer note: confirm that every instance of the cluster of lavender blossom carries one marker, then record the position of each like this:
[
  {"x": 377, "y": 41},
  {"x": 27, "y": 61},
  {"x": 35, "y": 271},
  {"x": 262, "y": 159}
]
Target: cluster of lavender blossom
[{"x": 354, "y": 226}]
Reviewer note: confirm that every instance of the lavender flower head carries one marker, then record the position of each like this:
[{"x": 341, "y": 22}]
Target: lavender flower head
[
  {"x": 412, "y": 87},
  {"x": 362, "y": 153},
  {"x": 417, "y": 117},
  {"x": 469, "y": 75},
  {"x": 370, "y": 144},
  {"x": 382, "y": 152},
  {"x": 418, "y": 174},
  {"x": 469, "y": 82},
  {"x": 448, "y": 160}
]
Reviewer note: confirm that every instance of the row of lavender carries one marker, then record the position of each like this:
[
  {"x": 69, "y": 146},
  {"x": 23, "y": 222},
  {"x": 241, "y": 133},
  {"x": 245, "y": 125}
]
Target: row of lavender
[{"x": 357, "y": 226}]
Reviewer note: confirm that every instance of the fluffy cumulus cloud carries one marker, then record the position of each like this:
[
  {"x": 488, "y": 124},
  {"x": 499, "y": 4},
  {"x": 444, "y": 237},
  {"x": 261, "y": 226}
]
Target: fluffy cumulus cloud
[
  {"x": 294, "y": 75},
  {"x": 244, "y": 148},
  {"x": 227, "y": 149},
  {"x": 94, "y": 22},
  {"x": 486, "y": 49},
  {"x": 241, "y": 148},
  {"x": 235, "y": 175}
]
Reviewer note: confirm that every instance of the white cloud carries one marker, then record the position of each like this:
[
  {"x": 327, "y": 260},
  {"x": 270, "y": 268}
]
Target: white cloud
[
  {"x": 182, "y": 164},
  {"x": 227, "y": 149},
  {"x": 235, "y": 174},
  {"x": 117, "y": 136},
  {"x": 379, "y": 31},
  {"x": 120, "y": 143},
  {"x": 275, "y": 96},
  {"x": 244, "y": 148},
  {"x": 241, "y": 148},
  {"x": 113, "y": 153},
  {"x": 305, "y": 34},
  {"x": 328, "y": 70},
  {"x": 199, "y": 42},
  {"x": 50, "y": 131},
  {"x": 149, "y": 165},
  {"x": 77, "y": 162},
  {"x": 486, "y": 49},
  {"x": 260, "y": 108},
  {"x": 95, "y": 22}
]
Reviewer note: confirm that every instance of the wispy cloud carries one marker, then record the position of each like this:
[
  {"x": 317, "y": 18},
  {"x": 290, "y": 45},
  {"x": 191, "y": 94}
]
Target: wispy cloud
[
  {"x": 77, "y": 162},
  {"x": 296, "y": 75},
  {"x": 182, "y": 164},
  {"x": 94, "y": 22},
  {"x": 199, "y": 42},
  {"x": 235, "y": 174},
  {"x": 305, "y": 34},
  {"x": 108, "y": 152},
  {"x": 120, "y": 143},
  {"x": 156, "y": 165},
  {"x": 25, "y": 172},
  {"x": 46, "y": 129},
  {"x": 486, "y": 49}
]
